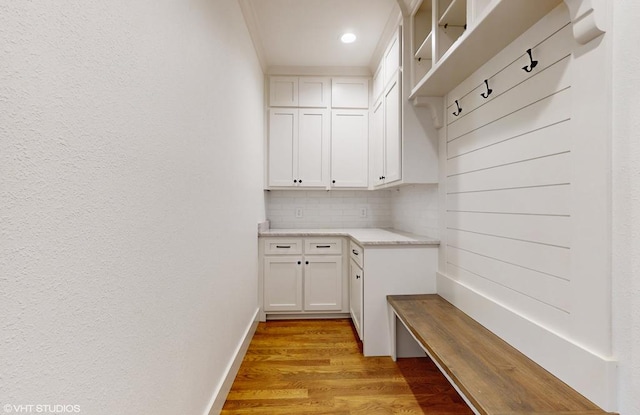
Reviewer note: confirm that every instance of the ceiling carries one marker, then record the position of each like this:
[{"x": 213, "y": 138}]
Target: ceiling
[{"x": 306, "y": 32}]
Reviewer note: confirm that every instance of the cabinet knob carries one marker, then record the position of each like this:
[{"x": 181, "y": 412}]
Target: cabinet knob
[
  {"x": 299, "y": 180},
  {"x": 295, "y": 180},
  {"x": 299, "y": 262},
  {"x": 357, "y": 276},
  {"x": 306, "y": 262},
  {"x": 333, "y": 181}
]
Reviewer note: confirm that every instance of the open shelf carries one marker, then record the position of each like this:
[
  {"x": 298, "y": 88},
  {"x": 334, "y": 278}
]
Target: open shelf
[
  {"x": 455, "y": 15},
  {"x": 502, "y": 23},
  {"x": 426, "y": 48}
]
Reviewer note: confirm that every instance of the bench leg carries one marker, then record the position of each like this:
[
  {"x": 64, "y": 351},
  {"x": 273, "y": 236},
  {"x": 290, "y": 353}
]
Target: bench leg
[{"x": 392, "y": 332}]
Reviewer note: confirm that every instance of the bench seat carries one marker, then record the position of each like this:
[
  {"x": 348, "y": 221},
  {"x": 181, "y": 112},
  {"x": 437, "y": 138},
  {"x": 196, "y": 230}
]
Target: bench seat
[{"x": 493, "y": 377}]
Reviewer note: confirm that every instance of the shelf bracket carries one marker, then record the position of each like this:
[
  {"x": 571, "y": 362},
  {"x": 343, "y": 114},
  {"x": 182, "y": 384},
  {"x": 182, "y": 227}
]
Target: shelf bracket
[
  {"x": 434, "y": 104},
  {"x": 585, "y": 20}
]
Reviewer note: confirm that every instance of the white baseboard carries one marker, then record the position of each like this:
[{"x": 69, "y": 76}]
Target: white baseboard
[
  {"x": 592, "y": 375},
  {"x": 232, "y": 370}
]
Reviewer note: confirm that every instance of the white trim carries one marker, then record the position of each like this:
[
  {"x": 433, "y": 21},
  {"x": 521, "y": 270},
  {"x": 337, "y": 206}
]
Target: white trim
[
  {"x": 590, "y": 374},
  {"x": 586, "y": 20},
  {"x": 221, "y": 392},
  {"x": 319, "y": 70},
  {"x": 251, "y": 21}
]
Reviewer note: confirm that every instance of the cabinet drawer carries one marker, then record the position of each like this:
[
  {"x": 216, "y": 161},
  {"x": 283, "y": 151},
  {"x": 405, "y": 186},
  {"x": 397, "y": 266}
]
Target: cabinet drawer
[
  {"x": 282, "y": 246},
  {"x": 319, "y": 246},
  {"x": 356, "y": 253}
]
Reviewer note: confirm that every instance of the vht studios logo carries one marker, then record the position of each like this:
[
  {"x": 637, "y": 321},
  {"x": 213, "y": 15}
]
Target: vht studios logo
[{"x": 41, "y": 409}]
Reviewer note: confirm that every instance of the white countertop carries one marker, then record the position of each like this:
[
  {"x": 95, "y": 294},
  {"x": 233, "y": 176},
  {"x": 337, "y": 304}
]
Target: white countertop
[{"x": 363, "y": 236}]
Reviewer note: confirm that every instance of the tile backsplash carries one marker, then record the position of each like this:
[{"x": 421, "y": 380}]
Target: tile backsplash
[
  {"x": 329, "y": 209},
  {"x": 414, "y": 209},
  {"x": 411, "y": 208}
]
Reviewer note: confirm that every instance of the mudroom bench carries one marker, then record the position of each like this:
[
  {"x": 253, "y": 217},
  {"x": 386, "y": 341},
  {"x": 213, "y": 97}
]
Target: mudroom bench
[{"x": 493, "y": 377}]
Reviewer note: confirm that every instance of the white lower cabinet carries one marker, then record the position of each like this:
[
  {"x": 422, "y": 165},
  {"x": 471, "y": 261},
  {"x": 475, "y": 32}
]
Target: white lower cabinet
[
  {"x": 381, "y": 270},
  {"x": 302, "y": 276},
  {"x": 282, "y": 283},
  {"x": 323, "y": 283},
  {"x": 355, "y": 295}
]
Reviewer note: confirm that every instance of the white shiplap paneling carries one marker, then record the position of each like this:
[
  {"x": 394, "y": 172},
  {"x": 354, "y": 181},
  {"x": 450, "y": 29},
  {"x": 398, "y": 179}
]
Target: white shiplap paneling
[{"x": 508, "y": 180}]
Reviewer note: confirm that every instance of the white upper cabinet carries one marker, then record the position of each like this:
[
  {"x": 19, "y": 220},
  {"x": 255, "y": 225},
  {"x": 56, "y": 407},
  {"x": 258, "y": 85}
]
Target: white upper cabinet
[
  {"x": 377, "y": 143},
  {"x": 392, "y": 136},
  {"x": 378, "y": 82},
  {"x": 298, "y": 153},
  {"x": 313, "y": 92},
  {"x": 283, "y": 146},
  {"x": 350, "y": 93},
  {"x": 391, "y": 58},
  {"x": 283, "y": 91},
  {"x": 349, "y": 148},
  {"x": 313, "y": 148},
  {"x": 299, "y": 92},
  {"x": 386, "y": 136},
  {"x": 310, "y": 145}
]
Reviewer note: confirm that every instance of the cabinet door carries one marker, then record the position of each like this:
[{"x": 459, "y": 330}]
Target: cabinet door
[
  {"x": 378, "y": 82},
  {"x": 356, "y": 277},
  {"x": 377, "y": 142},
  {"x": 283, "y": 91},
  {"x": 349, "y": 148},
  {"x": 391, "y": 60},
  {"x": 283, "y": 283},
  {"x": 313, "y": 92},
  {"x": 283, "y": 145},
  {"x": 350, "y": 93},
  {"x": 313, "y": 148},
  {"x": 392, "y": 136},
  {"x": 323, "y": 283}
]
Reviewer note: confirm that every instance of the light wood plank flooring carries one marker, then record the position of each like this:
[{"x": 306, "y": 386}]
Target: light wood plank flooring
[{"x": 317, "y": 367}]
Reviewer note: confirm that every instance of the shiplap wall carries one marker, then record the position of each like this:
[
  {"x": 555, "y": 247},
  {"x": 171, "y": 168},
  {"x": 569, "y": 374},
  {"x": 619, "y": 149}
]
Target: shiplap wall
[
  {"x": 509, "y": 181},
  {"x": 517, "y": 196}
]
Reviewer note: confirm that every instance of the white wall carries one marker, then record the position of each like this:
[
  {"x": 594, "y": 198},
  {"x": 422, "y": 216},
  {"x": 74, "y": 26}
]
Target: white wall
[
  {"x": 130, "y": 188},
  {"x": 626, "y": 204}
]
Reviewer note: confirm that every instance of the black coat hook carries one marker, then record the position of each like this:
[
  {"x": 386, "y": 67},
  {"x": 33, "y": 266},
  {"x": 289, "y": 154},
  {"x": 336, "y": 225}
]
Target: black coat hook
[
  {"x": 489, "y": 90},
  {"x": 459, "y": 109},
  {"x": 533, "y": 64}
]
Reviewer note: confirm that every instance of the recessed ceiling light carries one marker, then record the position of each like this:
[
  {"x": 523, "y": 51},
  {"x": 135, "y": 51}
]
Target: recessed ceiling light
[{"x": 348, "y": 38}]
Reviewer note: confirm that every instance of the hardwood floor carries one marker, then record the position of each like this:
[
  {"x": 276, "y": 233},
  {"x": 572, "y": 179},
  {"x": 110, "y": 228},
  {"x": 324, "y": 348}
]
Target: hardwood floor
[{"x": 316, "y": 367}]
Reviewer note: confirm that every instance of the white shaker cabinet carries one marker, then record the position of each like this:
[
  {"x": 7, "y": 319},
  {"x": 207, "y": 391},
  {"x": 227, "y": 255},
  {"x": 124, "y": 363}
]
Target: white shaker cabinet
[
  {"x": 298, "y": 151},
  {"x": 283, "y": 283},
  {"x": 302, "y": 277},
  {"x": 302, "y": 92},
  {"x": 386, "y": 137},
  {"x": 356, "y": 278},
  {"x": 350, "y": 93},
  {"x": 392, "y": 136},
  {"x": 322, "y": 283},
  {"x": 349, "y": 148}
]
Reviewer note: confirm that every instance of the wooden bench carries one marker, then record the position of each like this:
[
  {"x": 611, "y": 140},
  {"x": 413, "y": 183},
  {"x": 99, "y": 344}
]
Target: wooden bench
[{"x": 493, "y": 377}]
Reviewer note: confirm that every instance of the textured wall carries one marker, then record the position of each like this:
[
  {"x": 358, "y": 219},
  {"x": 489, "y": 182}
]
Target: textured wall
[
  {"x": 626, "y": 205},
  {"x": 130, "y": 187}
]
